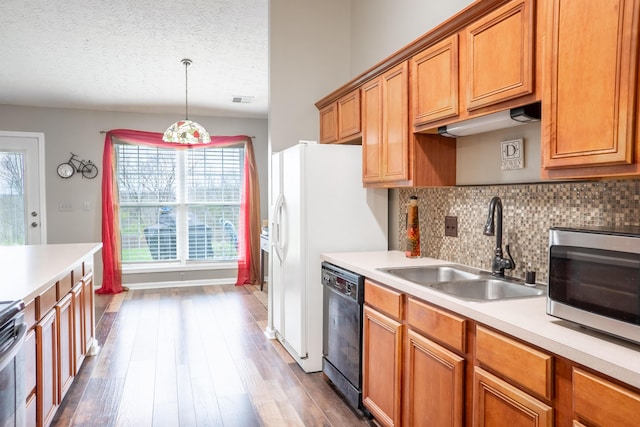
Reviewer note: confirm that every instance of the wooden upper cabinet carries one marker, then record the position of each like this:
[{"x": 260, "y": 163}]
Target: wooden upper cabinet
[
  {"x": 434, "y": 82},
  {"x": 385, "y": 139},
  {"x": 499, "y": 51},
  {"x": 591, "y": 83},
  {"x": 349, "y": 115},
  {"x": 395, "y": 124},
  {"x": 340, "y": 120},
  {"x": 329, "y": 124},
  {"x": 372, "y": 131}
]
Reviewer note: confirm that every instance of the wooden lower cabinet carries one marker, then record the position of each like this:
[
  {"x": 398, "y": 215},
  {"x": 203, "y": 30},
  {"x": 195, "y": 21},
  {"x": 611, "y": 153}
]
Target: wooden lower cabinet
[
  {"x": 382, "y": 367},
  {"x": 78, "y": 326},
  {"x": 599, "y": 402},
  {"x": 64, "y": 318},
  {"x": 498, "y": 403},
  {"x": 30, "y": 358},
  {"x": 62, "y": 333},
  {"x": 47, "y": 368},
  {"x": 434, "y": 378},
  {"x": 88, "y": 331}
]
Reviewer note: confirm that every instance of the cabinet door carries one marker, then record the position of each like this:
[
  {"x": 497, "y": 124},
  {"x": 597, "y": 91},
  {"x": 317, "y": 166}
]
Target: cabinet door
[
  {"x": 329, "y": 124},
  {"x": 88, "y": 313},
  {"x": 500, "y": 48},
  {"x": 590, "y": 83},
  {"x": 600, "y": 402},
  {"x": 349, "y": 115},
  {"x": 64, "y": 318},
  {"x": 497, "y": 403},
  {"x": 381, "y": 364},
  {"x": 434, "y": 395},
  {"x": 372, "y": 131},
  {"x": 47, "y": 368},
  {"x": 434, "y": 82},
  {"x": 30, "y": 367},
  {"x": 395, "y": 124},
  {"x": 78, "y": 326}
]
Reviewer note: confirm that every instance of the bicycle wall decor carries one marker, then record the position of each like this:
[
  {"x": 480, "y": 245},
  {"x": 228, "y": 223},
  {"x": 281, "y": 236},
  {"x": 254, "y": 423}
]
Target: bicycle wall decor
[{"x": 73, "y": 165}]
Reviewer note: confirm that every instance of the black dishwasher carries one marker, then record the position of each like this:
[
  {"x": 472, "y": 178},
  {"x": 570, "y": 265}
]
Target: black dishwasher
[
  {"x": 343, "y": 293},
  {"x": 12, "y": 393}
]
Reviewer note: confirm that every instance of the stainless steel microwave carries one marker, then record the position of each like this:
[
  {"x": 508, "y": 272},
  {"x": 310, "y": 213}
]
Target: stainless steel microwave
[{"x": 594, "y": 278}]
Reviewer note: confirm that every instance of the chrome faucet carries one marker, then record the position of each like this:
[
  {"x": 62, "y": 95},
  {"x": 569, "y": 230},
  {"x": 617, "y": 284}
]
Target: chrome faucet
[{"x": 499, "y": 263}]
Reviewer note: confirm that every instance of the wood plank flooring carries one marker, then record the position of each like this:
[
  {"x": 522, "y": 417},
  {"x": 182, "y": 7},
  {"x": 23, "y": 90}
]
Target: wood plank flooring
[{"x": 195, "y": 357}]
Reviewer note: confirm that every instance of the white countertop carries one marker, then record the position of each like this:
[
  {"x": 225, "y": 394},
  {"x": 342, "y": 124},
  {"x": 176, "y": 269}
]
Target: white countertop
[
  {"x": 26, "y": 271},
  {"x": 524, "y": 318}
]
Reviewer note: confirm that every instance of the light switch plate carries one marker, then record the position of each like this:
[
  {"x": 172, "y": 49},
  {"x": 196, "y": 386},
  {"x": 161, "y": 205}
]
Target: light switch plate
[{"x": 512, "y": 154}]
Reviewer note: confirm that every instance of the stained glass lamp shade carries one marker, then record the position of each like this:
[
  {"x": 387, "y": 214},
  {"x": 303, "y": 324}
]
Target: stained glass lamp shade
[{"x": 186, "y": 131}]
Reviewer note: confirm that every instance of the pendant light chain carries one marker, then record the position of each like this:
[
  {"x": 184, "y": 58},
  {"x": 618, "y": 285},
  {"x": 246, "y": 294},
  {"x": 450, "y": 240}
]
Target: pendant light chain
[{"x": 186, "y": 63}]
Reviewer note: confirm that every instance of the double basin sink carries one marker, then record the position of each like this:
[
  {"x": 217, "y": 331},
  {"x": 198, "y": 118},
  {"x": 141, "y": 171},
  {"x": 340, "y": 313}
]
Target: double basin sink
[{"x": 467, "y": 283}]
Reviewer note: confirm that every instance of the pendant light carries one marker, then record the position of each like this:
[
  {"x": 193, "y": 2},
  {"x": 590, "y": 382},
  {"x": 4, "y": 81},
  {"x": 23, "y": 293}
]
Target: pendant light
[{"x": 186, "y": 131}]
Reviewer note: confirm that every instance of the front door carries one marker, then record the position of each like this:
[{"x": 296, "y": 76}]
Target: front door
[{"x": 22, "y": 216}]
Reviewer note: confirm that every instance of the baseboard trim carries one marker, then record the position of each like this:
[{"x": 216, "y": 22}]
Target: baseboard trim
[{"x": 179, "y": 284}]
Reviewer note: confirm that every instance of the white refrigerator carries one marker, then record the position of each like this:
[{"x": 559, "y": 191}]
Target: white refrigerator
[{"x": 318, "y": 205}]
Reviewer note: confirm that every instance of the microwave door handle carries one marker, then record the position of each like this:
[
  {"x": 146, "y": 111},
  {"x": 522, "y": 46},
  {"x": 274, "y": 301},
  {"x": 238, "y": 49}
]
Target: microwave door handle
[
  {"x": 7, "y": 356},
  {"x": 277, "y": 227}
]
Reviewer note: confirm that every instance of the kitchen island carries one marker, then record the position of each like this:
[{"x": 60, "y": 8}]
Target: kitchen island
[
  {"x": 29, "y": 270},
  {"x": 566, "y": 352},
  {"x": 56, "y": 284}
]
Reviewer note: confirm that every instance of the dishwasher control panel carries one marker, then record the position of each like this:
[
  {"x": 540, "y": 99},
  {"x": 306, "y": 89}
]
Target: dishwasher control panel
[{"x": 342, "y": 281}]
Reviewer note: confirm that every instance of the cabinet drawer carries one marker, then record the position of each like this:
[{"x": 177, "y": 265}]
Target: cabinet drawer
[
  {"x": 65, "y": 284},
  {"x": 530, "y": 368},
  {"x": 440, "y": 325},
  {"x": 76, "y": 274},
  {"x": 384, "y": 299},
  {"x": 603, "y": 403},
  {"x": 46, "y": 301},
  {"x": 30, "y": 315}
]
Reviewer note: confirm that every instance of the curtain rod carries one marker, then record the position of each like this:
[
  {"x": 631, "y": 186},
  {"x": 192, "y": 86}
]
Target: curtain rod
[{"x": 104, "y": 131}]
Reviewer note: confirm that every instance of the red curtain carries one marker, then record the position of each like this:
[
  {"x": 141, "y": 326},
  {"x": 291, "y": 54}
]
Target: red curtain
[{"x": 248, "y": 226}]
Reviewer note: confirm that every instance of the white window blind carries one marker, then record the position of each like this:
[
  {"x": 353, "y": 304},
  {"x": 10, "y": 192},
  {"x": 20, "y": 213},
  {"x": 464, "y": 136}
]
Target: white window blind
[{"x": 179, "y": 205}]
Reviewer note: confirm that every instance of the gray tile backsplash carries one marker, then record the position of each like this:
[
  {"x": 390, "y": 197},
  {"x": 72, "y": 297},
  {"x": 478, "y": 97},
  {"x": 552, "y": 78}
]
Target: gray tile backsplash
[{"x": 528, "y": 212}]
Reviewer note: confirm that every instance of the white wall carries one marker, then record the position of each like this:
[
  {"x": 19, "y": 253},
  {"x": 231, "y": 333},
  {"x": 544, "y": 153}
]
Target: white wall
[
  {"x": 381, "y": 27},
  {"x": 479, "y": 158},
  {"x": 309, "y": 57},
  {"x": 78, "y": 131}
]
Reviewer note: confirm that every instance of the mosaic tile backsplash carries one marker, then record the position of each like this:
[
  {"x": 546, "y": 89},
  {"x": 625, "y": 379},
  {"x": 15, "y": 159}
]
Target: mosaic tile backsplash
[{"x": 529, "y": 210}]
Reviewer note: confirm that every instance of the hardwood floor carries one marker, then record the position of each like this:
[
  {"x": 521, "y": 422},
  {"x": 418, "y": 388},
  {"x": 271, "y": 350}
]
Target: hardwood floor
[{"x": 195, "y": 357}]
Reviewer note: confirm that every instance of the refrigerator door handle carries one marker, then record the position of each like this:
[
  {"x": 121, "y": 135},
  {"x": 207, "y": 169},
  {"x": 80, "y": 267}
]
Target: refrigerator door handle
[{"x": 277, "y": 227}]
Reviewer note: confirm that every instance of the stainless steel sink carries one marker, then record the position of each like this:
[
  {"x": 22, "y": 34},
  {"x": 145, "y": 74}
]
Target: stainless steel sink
[
  {"x": 429, "y": 274},
  {"x": 489, "y": 289},
  {"x": 466, "y": 283}
]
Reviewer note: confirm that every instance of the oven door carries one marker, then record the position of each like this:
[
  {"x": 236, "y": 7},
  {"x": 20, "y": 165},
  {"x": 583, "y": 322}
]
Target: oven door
[
  {"x": 12, "y": 393},
  {"x": 342, "y": 334}
]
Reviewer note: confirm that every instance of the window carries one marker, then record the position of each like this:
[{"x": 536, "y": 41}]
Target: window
[
  {"x": 12, "y": 198},
  {"x": 179, "y": 205}
]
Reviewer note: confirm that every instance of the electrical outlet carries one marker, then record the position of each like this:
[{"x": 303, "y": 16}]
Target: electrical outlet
[{"x": 451, "y": 226}]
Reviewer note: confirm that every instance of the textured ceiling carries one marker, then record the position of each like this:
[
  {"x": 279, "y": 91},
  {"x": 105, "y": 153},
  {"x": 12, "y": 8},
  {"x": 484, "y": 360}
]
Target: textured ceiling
[{"x": 124, "y": 55}]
